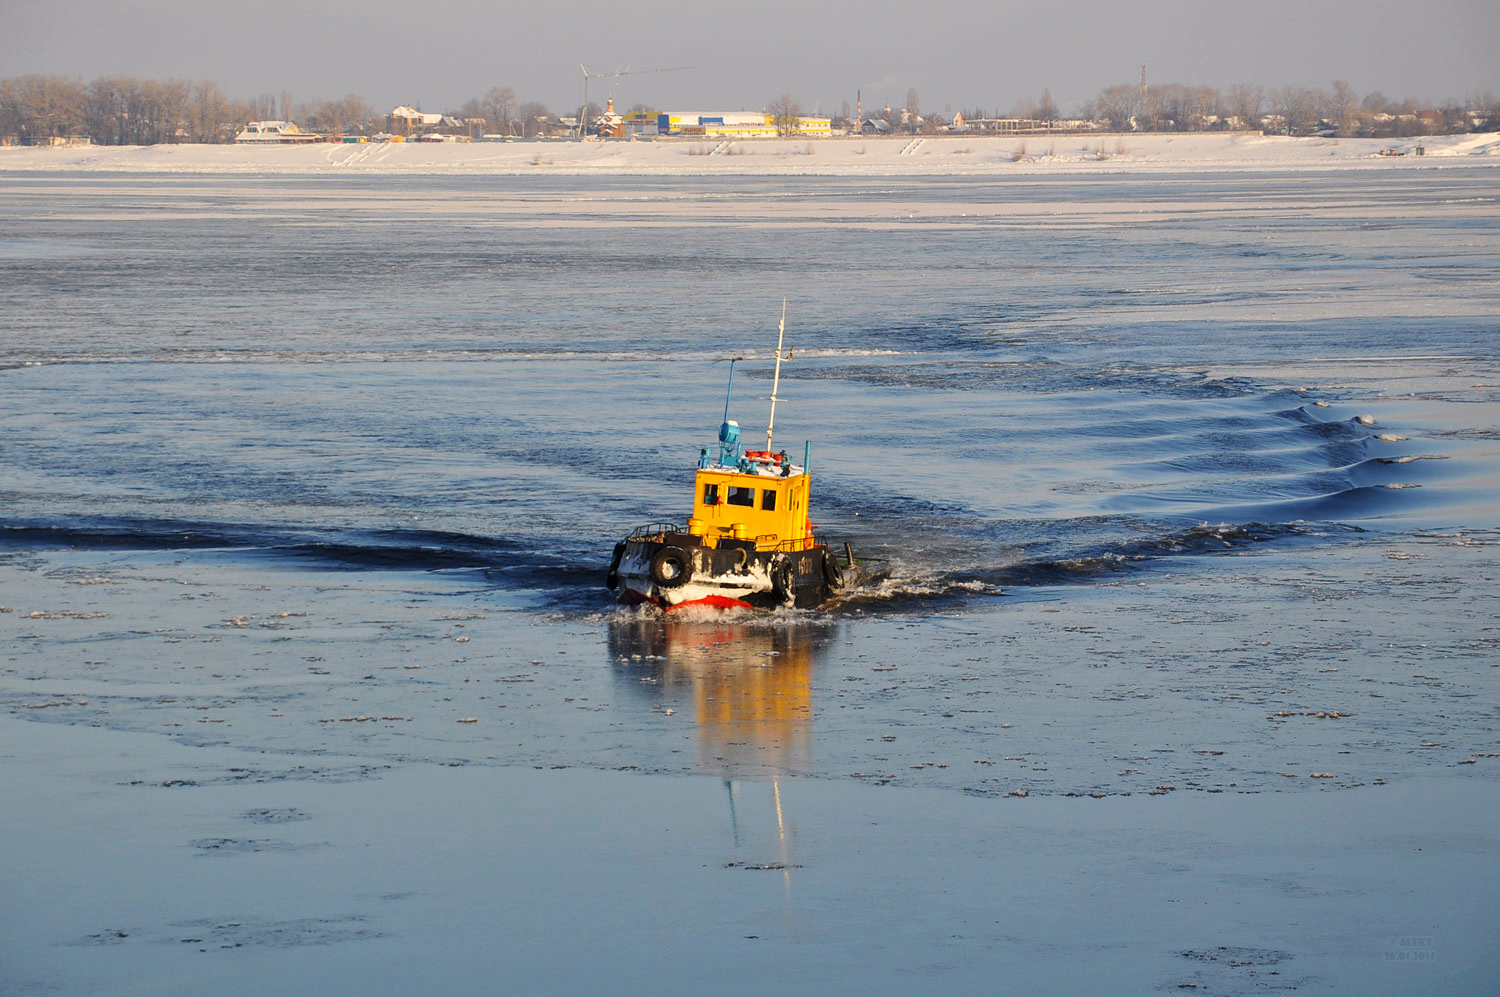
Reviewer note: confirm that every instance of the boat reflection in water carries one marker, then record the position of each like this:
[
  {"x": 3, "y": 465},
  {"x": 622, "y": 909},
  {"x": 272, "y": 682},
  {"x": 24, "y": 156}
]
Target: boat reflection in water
[{"x": 749, "y": 689}]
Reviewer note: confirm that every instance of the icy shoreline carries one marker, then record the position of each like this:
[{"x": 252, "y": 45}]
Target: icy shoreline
[{"x": 936, "y": 156}]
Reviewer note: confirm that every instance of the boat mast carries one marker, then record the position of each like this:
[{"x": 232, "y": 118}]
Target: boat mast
[
  {"x": 776, "y": 380},
  {"x": 729, "y": 432},
  {"x": 730, "y": 391}
]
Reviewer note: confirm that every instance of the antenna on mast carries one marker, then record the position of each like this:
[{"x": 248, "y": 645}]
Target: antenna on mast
[
  {"x": 729, "y": 430},
  {"x": 776, "y": 380}
]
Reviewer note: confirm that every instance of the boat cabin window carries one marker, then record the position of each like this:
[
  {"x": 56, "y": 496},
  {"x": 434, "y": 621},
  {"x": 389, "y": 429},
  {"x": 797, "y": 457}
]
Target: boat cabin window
[
  {"x": 742, "y": 496},
  {"x": 710, "y": 494},
  {"x": 768, "y": 500}
]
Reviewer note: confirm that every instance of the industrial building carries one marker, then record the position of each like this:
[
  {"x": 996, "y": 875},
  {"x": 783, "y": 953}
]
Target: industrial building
[{"x": 719, "y": 124}]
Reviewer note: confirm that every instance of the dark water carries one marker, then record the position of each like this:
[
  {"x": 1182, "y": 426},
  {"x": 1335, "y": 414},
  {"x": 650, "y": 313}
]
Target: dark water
[{"x": 1003, "y": 383}]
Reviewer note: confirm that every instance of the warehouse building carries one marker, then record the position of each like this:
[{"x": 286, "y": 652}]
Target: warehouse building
[{"x": 719, "y": 124}]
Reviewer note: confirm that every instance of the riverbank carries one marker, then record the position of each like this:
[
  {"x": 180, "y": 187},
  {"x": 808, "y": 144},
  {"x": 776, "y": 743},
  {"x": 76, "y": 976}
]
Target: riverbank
[{"x": 946, "y": 155}]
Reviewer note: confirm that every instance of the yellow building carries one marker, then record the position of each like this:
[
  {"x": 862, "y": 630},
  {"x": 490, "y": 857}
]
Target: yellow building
[{"x": 733, "y": 124}]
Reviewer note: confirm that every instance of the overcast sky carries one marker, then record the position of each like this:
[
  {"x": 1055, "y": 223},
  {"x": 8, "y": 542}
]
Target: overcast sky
[{"x": 955, "y": 53}]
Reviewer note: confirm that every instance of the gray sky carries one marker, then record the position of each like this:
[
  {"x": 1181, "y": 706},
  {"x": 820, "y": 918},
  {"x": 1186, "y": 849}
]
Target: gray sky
[{"x": 958, "y": 53}]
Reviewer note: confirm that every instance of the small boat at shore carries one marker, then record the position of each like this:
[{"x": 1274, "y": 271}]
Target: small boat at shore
[{"x": 749, "y": 541}]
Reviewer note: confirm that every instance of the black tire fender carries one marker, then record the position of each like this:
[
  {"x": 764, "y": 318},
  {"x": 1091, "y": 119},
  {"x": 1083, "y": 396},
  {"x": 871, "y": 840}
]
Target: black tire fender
[
  {"x": 612, "y": 578},
  {"x": 671, "y": 567},
  {"x": 833, "y": 575},
  {"x": 781, "y": 580}
]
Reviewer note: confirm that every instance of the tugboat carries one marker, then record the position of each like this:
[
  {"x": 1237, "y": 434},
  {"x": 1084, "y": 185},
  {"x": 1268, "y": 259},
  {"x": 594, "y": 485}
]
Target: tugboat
[{"x": 748, "y": 543}]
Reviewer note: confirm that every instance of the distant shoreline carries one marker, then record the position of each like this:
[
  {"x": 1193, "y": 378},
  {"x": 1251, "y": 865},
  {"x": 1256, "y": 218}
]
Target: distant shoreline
[{"x": 952, "y": 155}]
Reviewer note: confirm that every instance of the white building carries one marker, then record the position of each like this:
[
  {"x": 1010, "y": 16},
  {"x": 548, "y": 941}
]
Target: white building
[
  {"x": 412, "y": 118},
  {"x": 274, "y": 133}
]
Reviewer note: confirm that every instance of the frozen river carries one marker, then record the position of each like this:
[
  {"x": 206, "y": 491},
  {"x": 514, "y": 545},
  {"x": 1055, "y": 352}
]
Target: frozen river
[{"x": 1183, "y": 670}]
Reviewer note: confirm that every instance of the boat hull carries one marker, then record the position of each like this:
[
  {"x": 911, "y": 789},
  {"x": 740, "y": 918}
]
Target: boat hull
[{"x": 675, "y": 571}]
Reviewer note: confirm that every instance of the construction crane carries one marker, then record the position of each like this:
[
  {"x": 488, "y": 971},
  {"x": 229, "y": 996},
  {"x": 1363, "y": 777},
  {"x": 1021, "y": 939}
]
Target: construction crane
[{"x": 626, "y": 71}]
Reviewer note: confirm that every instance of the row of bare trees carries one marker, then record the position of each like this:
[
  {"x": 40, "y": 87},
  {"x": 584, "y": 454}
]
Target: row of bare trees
[
  {"x": 123, "y": 110},
  {"x": 1288, "y": 110}
]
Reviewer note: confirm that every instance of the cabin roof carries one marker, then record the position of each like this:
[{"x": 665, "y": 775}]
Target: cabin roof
[{"x": 756, "y": 470}]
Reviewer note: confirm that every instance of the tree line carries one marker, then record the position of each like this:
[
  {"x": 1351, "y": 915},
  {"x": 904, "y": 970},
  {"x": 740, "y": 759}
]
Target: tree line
[
  {"x": 1286, "y": 110},
  {"x": 124, "y": 110},
  {"x": 1174, "y": 107}
]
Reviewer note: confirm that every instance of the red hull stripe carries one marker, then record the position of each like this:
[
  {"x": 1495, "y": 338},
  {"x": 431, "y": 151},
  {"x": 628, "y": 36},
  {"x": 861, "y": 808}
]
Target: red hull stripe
[
  {"x": 633, "y": 598},
  {"x": 716, "y": 601}
]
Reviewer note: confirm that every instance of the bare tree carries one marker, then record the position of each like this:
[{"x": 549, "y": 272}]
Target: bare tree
[
  {"x": 1487, "y": 106},
  {"x": 913, "y": 109},
  {"x": 1117, "y": 105},
  {"x": 104, "y": 110},
  {"x": 1247, "y": 102},
  {"x": 499, "y": 107},
  {"x": 138, "y": 101},
  {"x": 42, "y": 108},
  {"x": 1174, "y": 106},
  {"x": 1294, "y": 105},
  {"x": 1207, "y": 109},
  {"x": 328, "y": 116},
  {"x": 206, "y": 113},
  {"x": 355, "y": 112},
  {"x": 262, "y": 107},
  {"x": 1345, "y": 107},
  {"x": 786, "y": 114},
  {"x": 172, "y": 113},
  {"x": 1046, "y": 110},
  {"x": 11, "y": 119},
  {"x": 533, "y": 115},
  {"x": 1455, "y": 117}
]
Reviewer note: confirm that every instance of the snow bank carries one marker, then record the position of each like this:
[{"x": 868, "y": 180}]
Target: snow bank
[{"x": 947, "y": 155}]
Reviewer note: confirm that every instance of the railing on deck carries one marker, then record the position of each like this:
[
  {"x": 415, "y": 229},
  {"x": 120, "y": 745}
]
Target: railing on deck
[
  {"x": 653, "y": 531},
  {"x": 768, "y": 541}
]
